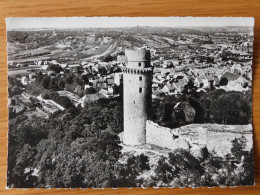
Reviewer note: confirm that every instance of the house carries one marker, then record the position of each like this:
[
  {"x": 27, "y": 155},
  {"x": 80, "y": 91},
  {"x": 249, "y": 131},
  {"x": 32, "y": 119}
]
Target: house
[
  {"x": 227, "y": 77},
  {"x": 168, "y": 64},
  {"x": 216, "y": 80},
  {"x": 110, "y": 81},
  {"x": 105, "y": 93},
  {"x": 45, "y": 67},
  {"x": 168, "y": 88},
  {"x": 32, "y": 73},
  {"x": 198, "y": 82},
  {"x": 74, "y": 98},
  {"x": 121, "y": 59},
  {"x": 113, "y": 90},
  {"x": 173, "y": 88},
  {"x": 18, "y": 108},
  {"x": 211, "y": 80},
  {"x": 203, "y": 81},
  {"x": 101, "y": 83},
  {"x": 50, "y": 105},
  {"x": 26, "y": 95},
  {"x": 25, "y": 101},
  {"x": 242, "y": 81},
  {"x": 236, "y": 68},
  {"x": 155, "y": 87},
  {"x": 50, "y": 108},
  {"x": 234, "y": 86},
  {"x": 54, "y": 104},
  {"x": 90, "y": 98},
  {"x": 157, "y": 71},
  {"x": 118, "y": 78},
  {"x": 24, "y": 80},
  {"x": 87, "y": 86}
]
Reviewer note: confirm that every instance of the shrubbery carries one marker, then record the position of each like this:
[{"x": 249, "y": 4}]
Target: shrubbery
[
  {"x": 75, "y": 149},
  {"x": 216, "y": 106},
  {"x": 80, "y": 148},
  {"x": 181, "y": 169}
]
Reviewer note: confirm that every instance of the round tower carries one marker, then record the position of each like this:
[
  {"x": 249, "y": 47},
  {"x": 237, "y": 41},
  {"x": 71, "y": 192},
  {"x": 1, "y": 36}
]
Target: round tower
[{"x": 137, "y": 95}]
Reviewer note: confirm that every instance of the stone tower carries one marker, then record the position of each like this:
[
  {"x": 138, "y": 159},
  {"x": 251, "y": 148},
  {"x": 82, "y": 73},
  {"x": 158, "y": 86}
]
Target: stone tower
[{"x": 137, "y": 95}]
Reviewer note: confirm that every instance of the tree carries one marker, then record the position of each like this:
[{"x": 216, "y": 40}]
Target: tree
[
  {"x": 79, "y": 81},
  {"x": 127, "y": 173},
  {"x": 53, "y": 95},
  {"x": 199, "y": 110},
  {"x": 79, "y": 70},
  {"x": 163, "y": 111},
  {"x": 187, "y": 166},
  {"x": 223, "y": 81},
  {"x": 238, "y": 147},
  {"x": 90, "y": 90},
  {"x": 31, "y": 134},
  {"x": 12, "y": 113},
  {"x": 45, "y": 96},
  {"x": 61, "y": 84},
  {"x": 55, "y": 68},
  {"x": 54, "y": 84},
  {"x": 108, "y": 58},
  {"x": 64, "y": 101},
  {"x": 231, "y": 108},
  {"x": 45, "y": 82},
  {"x": 102, "y": 70},
  {"x": 85, "y": 78},
  {"x": 23, "y": 178},
  {"x": 190, "y": 89},
  {"x": 164, "y": 171}
]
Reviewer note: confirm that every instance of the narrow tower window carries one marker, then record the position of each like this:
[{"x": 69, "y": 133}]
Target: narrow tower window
[
  {"x": 140, "y": 90},
  {"x": 140, "y": 78},
  {"x": 139, "y": 64}
]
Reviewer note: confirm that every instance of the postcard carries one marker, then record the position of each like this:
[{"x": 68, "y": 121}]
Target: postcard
[{"x": 98, "y": 102}]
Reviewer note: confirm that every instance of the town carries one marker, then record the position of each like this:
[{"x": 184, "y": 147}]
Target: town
[{"x": 78, "y": 67}]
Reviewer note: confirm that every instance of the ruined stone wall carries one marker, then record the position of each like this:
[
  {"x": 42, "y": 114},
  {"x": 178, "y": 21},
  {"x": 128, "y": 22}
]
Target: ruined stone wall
[
  {"x": 217, "y": 138},
  {"x": 164, "y": 137}
]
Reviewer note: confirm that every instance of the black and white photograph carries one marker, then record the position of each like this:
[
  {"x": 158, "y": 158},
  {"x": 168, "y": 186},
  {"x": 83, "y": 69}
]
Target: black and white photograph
[{"x": 101, "y": 102}]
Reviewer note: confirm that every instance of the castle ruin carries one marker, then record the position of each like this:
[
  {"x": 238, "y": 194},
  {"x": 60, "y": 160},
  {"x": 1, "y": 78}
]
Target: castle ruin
[{"x": 137, "y": 95}]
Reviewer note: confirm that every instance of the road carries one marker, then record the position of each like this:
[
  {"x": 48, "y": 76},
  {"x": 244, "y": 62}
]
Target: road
[
  {"x": 107, "y": 52},
  {"x": 21, "y": 71}
]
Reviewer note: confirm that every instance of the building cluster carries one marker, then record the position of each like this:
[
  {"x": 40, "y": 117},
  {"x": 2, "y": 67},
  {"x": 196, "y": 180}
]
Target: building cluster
[
  {"x": 212, "y": 61},
  {"x": 220, "y": 60}
]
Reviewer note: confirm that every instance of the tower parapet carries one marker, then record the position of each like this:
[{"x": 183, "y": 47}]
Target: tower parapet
[
  {"x": 137, "y": 95},
  {"x": 138, "y": 58},
  {"x": 140, "y": 55}
]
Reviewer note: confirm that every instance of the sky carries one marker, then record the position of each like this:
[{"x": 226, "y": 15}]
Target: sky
[{"x": 109, "y": 22}]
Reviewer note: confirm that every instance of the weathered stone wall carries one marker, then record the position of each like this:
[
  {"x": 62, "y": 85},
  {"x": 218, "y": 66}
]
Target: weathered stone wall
[{"x": 164, "y": 137}]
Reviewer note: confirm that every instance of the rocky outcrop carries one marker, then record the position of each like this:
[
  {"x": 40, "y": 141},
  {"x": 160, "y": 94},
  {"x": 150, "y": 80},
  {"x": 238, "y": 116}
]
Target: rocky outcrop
[
  {"x": 186, "y": 110},
  {"x": 189, "y": 112}
]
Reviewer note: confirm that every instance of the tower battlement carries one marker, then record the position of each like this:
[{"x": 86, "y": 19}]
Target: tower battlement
[{"x": 137, "y": 71}]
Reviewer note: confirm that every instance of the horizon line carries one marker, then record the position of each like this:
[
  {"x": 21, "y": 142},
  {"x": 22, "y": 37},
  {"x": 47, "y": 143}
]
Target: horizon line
[
  {"x": 124, "y": 22},
  {"x": 74, "y": 28}
]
